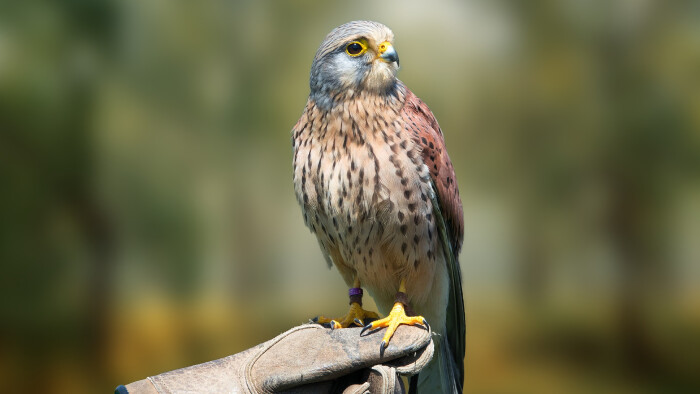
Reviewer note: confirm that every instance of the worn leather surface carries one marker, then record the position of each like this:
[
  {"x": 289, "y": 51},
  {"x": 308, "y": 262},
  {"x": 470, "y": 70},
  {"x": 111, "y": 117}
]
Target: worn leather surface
[{"x": 307, "y": 358}]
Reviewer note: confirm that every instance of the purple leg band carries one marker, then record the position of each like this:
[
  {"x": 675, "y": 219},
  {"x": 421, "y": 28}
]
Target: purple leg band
[
  {"x": 355, "y": 291},
  {"x": 355, "y": 294}
]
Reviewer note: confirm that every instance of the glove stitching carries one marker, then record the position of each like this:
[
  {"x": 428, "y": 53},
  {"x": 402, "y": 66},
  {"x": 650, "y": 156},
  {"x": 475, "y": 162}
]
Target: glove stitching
[{"x": 250, "y": 383}]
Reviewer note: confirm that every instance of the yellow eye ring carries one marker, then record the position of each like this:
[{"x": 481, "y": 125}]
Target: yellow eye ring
[{"x": 355, "y": 48}]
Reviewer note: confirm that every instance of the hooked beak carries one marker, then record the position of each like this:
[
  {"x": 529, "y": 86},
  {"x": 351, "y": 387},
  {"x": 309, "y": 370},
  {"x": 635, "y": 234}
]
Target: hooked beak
[{"x": 387, "y": 53}]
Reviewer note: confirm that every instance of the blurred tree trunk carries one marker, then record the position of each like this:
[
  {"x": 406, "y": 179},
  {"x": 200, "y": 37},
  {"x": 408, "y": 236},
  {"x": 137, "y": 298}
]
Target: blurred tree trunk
[
  {"x": 643, "y": 132},
  {"x": 97, "y": 23}
]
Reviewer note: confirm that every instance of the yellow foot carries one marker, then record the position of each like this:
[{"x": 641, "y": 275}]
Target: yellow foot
[
  {"x": 355, "y": 315},
  {"x": 396, "y": 317}
]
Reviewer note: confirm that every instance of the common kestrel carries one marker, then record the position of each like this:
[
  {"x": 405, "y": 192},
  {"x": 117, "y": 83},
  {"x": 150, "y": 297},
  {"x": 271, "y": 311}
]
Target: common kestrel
[{"x": 377, "y": 187}]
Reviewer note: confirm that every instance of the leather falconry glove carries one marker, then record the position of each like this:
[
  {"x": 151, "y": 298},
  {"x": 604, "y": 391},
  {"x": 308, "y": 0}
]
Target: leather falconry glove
[{"x": 305, "y": 359}]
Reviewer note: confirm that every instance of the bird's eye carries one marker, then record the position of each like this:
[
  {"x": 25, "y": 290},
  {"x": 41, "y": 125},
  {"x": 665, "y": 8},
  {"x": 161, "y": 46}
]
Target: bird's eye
[{"x": 355, "y": 48}]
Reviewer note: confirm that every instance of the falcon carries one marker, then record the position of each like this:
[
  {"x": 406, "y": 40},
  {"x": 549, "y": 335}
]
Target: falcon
[{"x": 377, "y": 188}]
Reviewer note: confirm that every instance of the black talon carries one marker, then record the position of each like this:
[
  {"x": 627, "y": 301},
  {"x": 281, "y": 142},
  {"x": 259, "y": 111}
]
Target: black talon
[
  {"x": 382, "y": 347},
  {"x": 365, "y": 328},
  {"x": 425, "y": 322},
  {"x": 315, "y": 319},
  {"x": 358, "y": 322}
]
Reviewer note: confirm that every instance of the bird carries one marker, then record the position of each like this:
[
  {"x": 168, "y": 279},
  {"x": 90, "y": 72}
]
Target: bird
[{"x": 377, "y": 187}]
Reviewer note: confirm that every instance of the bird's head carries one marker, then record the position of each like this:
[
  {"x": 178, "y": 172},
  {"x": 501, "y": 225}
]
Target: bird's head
[{"x": 356, "y": 56}]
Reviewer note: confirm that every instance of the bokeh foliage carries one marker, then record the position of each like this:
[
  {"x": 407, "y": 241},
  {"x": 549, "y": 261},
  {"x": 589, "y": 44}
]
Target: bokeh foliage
[{"x": 149, "y": 222}]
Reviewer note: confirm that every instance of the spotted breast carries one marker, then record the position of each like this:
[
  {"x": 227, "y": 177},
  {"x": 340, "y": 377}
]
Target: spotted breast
[{"x": 366, "y": 193}]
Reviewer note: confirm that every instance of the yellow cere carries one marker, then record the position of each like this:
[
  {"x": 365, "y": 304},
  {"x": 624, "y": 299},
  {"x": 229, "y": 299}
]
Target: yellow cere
[{"x": 384, "y": 46}]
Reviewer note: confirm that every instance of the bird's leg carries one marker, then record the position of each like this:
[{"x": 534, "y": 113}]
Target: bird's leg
[
  {"x": 396, "y": 317},
  {"x": 355, "y": 315}
]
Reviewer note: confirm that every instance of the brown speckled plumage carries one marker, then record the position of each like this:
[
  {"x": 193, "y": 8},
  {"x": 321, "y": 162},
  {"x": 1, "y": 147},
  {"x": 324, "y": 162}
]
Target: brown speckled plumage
[{"x": 369, "y": 161}]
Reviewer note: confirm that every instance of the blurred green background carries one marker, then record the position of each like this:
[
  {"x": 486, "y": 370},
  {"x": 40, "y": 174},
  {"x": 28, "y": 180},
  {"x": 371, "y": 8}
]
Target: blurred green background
[{"x": 148, "y": 220}]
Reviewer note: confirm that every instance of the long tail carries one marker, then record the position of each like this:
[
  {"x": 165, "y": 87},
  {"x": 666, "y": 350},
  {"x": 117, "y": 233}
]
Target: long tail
[
  {"x": 445, "y": 372},
  {"x": 441, "y": 373}
]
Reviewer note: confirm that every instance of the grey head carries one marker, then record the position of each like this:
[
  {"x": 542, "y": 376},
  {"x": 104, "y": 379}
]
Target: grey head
[{"x": 353, "y": 57}]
